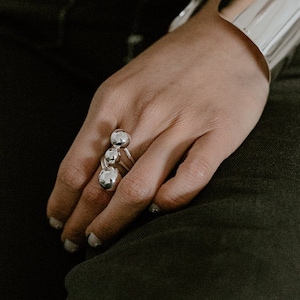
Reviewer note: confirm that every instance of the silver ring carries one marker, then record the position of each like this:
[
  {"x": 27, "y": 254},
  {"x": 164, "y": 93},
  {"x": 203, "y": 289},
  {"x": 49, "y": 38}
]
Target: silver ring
[{"x": 110, "y": 175}]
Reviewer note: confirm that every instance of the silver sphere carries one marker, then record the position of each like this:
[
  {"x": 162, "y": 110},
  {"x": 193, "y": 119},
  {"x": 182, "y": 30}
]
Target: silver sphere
[
  {"x": 109, "y": 178},
  {"x": 112, "y": 156},
  {"x": 120, "y": 138}
]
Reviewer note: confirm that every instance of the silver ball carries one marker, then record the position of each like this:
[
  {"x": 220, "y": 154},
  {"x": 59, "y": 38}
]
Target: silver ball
[
  {"x": 120, "y": 138},
  {"x": 112, "y": 156},
  {"x": 109, "y": 178}
]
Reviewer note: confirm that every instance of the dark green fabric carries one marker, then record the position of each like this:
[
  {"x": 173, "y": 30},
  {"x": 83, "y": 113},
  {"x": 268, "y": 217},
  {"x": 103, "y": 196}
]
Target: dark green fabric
[{"x": 239, "y": 239}]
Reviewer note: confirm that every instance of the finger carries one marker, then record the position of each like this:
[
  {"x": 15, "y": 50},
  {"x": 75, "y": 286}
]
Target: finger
[
  {"x": 78, "y": 167},
  {"x": 93, "y": 200},
  {"x": 193, "y": 174},
  {"x": 137, "y": 188}
]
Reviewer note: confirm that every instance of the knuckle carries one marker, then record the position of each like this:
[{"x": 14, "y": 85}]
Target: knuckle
[
  {"x": 170, "y": 199},
  {"x": 72, "y": 178},
  {"x": 108, "y": 85},
  {"x": 135, "y": 190},
  {"x": 197, "y": 171},
  {"x": 110, "y": 90},
  {"x": 92, "y": 196},
  {"x": 111, "y": 94}
]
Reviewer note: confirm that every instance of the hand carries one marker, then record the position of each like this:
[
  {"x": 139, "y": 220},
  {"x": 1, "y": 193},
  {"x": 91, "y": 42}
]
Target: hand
[{"x": 193, "y": 97}]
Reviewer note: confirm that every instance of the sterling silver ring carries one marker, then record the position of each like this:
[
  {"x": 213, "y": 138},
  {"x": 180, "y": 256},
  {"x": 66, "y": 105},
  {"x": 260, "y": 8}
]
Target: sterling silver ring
[{"x": 110, "y": 175}]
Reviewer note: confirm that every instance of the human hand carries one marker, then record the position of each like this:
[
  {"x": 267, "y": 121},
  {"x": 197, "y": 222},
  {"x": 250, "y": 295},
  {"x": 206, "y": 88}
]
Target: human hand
[{"x": 193, "y": 97}]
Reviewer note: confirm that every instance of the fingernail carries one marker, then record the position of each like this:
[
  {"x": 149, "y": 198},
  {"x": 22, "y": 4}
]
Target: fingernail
[
  {"x": 70, "y": 246},
  {"x": 55, "y": 223},
  {"x": 154, "y": 208},
  {"x": 94, "y": 241}
]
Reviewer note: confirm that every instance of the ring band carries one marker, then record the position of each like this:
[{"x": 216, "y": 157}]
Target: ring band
[{"x": 110, "y": 176}]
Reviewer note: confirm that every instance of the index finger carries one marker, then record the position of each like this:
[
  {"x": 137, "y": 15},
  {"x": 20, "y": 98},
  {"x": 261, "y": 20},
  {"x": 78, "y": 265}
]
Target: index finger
[{"x": 77, "y": 168}]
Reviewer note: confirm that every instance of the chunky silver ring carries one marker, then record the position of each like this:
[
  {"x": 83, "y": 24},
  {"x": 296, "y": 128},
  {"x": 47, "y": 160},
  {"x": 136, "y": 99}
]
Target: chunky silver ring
[{"x": 110, "y": 176}]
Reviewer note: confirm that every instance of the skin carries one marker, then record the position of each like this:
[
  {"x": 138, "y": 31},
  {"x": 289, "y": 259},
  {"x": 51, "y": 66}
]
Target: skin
[{"x": 193, "y": 97}]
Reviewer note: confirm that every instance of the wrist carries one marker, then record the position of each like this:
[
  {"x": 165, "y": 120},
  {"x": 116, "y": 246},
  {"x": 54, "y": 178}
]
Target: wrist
[
  {"x": 271, "y": 26},
  {"x": 207, "y": 30}
]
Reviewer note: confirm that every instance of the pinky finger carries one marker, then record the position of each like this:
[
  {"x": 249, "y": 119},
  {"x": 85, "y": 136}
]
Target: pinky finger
[{"x": 193, "y": 174}]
